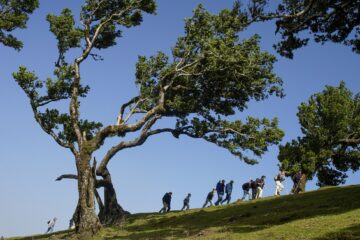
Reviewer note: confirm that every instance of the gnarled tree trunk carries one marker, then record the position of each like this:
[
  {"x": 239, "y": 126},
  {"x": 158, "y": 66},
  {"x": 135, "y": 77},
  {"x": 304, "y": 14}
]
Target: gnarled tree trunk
[
  {"x": 302, "y": 183},
  {"x": 111, "y": 213},
  {"x": 300, "y": 186},
  {"x": 85, "y": 215}
]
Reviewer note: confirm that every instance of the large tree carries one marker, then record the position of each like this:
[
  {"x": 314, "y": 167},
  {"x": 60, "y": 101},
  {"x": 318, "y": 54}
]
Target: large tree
[
  {"x": 14, "y": 14},
  {"x": 211, "y": 75},
  {"x": 330, "y": 122},
  {"x": 298, "y": 21}
]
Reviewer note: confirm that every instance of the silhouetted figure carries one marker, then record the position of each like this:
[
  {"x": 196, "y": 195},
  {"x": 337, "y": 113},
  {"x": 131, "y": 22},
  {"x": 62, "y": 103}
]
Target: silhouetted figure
[
  {"x": 228, "y": 191},
  {"x": 209, "y": 198},
  {"x": 166, "y": 202},
  {"x": 296, "y": 179},
  {"x": 253, "y": 189},
  {"x": 186, "y": 202},
  {"x": 51, "y": 225},
  {"x": 220, "y": 189},
  {"x": 246, "y": 188},
  {"x": 71, "y": 224}
]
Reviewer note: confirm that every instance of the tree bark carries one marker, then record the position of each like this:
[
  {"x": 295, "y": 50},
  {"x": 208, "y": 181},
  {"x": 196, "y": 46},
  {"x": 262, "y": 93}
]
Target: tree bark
[
  {"x": 111, "y": 213},
  {"x": 302, "y": 183},
  {"x": 87, "y": 222},
  {"x": 300, "y": 186}
]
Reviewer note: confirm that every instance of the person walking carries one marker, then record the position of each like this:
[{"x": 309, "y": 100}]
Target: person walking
[
  {"x": 246, "y": 188},
  {"x": 71, "y": 224},
  {"x": 279, "y": 178},
  {"x": 51, "y": 225},
  {"x": 228, "y": 191},
  {"x": 253, "y": 189},
  {"x": 296, "y": 179},
  {"x": 209, "y": 198},
  {"x": 166, "y": 202},
  {"x": 260, "y": 187},
  {"x": 220, "y": 189},
  {"x": 186, "y": 202}
]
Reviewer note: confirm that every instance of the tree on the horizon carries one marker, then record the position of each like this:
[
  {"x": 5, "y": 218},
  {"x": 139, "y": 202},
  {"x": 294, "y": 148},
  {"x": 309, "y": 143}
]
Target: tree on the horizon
[
  {"x": 14, "y": 15},
  {"x": 211, "y": 75},
  {"x": 330, "y": 147}
]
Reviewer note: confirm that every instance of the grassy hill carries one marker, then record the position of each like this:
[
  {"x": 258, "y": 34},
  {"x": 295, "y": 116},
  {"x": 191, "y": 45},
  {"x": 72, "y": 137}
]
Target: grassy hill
[{"x": 326, "y": 214}]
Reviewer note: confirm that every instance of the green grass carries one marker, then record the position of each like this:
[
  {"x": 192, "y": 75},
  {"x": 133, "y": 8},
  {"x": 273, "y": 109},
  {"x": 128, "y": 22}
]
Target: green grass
[{"x": 326, "y": 214}]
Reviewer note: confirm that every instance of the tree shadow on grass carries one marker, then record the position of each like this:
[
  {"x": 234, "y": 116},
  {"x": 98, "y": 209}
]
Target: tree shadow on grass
[
  {"x": 350, "y": 233},
  {"x": 244, "y": 217}
]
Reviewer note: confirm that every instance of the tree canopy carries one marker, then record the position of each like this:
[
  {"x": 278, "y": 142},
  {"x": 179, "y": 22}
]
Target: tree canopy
[
  {"x": 298, "y": 21},
  {"x": 211, "y": 75},
  {"x": 330, "y": 122},
  {"x": 14, "y": 14}
]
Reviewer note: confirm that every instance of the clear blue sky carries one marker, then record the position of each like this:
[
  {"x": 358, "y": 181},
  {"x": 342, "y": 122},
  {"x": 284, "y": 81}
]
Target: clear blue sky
[{"x": 31, "y": 160}]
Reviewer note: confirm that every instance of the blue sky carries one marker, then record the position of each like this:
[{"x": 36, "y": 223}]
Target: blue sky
[{"x": 31, "y": 160}]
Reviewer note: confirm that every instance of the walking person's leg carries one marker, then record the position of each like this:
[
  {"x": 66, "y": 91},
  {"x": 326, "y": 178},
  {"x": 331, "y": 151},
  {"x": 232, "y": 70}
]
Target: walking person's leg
[
  {"x": 206, "y": 202},
  {"x": 164, "y": 208},
  {"x": 253, "y": 191},
  {"x": 277, "y": 190},
  {"x": 224, "y": 199},
  {"x": 218, "y": 200},
  {"x": 228, "y": 197}
]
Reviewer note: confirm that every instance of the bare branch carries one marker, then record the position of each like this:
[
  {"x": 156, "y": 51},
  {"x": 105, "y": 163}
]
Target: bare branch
[
  {"x": 123, "y": 107},
  {"x": 127, "y": 144},
  {"x": 67, "y": 176}
]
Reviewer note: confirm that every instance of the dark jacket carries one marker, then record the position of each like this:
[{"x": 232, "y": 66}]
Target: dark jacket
[
  {"x": 229, "y": 188},
  {"x": 260, "y": 182},
  {"x": 210, "y": 195},
  {"x": 279, "y": 177},
  {"x": 167, "y": 198},
  {"x": 220, "y": 187},
  {"x": 253, "y": 184},
  {"x": 246, "y": 186},
  {"x": 187, "y": 200}
]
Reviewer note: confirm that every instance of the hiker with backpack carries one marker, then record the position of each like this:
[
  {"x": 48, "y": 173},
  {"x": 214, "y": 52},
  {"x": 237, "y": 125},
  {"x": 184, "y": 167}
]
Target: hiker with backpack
[
  {"x": 260, "y": 183},
  {"x": 166, "y": 202},
  {"x": 209, "y": 198},
  {"x": 220, "y": 189},
  {"x": 246, "y": 188},
  {"x": 186, "y": 202},
  {"x": 279, "y": 178},
  {"x": 228, "y": 191}
]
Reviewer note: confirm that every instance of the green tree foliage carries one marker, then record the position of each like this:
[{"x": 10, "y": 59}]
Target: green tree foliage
[
  {"x": 211, "y": 75},
  {"x": 330, "y": 122},
  {"x": 298, "y": 21},
  {"x": 14, "y": 14}
]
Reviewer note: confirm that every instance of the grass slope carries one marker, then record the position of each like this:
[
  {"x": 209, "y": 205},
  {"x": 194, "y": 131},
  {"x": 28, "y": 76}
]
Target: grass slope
[{"x": 326, "y": 214}]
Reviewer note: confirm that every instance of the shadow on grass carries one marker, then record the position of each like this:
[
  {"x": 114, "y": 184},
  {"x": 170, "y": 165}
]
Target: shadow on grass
[
  {"x": 244, "y": 217},
  {"x": 350, "y": 233}
]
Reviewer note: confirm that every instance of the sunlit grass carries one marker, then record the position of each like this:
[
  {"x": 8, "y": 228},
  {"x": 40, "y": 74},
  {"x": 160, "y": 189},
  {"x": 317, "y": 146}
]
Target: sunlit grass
[{"x": 326, "y": 214}]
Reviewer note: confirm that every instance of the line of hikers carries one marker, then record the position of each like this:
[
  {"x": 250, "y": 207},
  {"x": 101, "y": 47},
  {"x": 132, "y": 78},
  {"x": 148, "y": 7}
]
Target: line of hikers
[{"x": 256, "y": 187}]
